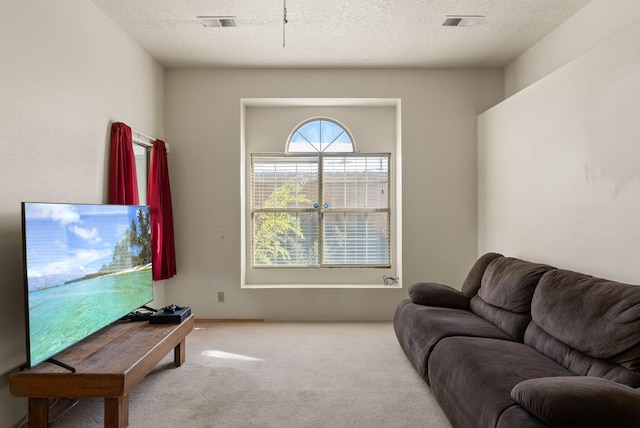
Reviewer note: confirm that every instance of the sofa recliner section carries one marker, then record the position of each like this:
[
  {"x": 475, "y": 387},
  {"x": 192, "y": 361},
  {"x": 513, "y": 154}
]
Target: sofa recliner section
[{"x": 526, "y": 345}]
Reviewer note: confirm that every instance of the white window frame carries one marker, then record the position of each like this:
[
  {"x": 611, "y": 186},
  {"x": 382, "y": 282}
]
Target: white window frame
[{"x": 335, "y": 277}]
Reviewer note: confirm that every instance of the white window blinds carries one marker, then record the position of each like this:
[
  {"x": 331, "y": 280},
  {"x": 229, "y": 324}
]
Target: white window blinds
[{"x": 320, "y": 210}]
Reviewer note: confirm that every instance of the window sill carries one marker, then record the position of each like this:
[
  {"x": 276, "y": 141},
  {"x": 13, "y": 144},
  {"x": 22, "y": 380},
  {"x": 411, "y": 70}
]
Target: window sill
[{"x": 321, "y": 286}]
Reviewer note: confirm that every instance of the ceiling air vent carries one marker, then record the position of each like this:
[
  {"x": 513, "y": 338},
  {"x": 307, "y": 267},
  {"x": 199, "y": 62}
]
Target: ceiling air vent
[
  {"x": 461, "y": 20},
  {"x": 217, "y": 21}
]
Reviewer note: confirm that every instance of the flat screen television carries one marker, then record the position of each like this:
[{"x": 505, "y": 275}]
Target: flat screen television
[{"x": 86, "y": 266}]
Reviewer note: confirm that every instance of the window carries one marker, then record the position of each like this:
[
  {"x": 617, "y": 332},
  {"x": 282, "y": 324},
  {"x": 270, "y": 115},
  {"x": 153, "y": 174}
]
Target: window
[
  {"x": 142, "y": 153},
  {"x": 320, "y": 204},
  {"x": 320, "y": 135}
]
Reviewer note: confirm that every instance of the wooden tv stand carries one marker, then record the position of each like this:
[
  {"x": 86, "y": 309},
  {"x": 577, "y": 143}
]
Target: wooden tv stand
[{"x": 108, "y": 364}]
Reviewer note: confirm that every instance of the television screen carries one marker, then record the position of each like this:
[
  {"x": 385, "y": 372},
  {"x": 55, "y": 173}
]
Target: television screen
[{"x": 85, "y": 267}]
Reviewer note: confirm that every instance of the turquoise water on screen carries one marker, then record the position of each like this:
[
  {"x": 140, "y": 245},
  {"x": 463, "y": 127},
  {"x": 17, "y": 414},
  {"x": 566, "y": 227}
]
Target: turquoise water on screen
[{"x": 63, "y": 315}]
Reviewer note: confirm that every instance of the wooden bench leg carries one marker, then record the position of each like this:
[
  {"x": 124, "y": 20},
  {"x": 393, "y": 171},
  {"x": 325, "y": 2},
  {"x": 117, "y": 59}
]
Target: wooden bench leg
[
  {"x": 179, "y": 354},
  {"x": 38, "y": 412},
  {"x": 116, "y": 412}
]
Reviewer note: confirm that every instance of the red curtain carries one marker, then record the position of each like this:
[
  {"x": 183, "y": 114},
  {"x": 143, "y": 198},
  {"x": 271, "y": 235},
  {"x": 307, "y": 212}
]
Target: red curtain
[
  {"x": 159, "y": 200},
  {"x": 123, "y": 186}
]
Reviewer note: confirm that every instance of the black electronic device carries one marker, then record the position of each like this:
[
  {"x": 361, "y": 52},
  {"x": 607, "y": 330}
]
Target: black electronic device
[
  {"x": 171, "y": 314},
  {"x": 141, "y": 314}
]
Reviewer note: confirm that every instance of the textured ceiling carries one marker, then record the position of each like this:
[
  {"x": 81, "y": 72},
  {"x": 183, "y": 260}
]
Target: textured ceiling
[{"x": 337, "y": 33}]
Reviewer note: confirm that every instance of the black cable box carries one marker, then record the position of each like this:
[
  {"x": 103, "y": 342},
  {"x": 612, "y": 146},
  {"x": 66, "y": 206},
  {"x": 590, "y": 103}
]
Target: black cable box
[{"x": 171, "y": 314}]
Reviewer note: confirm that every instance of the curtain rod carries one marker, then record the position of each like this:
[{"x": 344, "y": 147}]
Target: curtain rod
[{"x": 142, "y": 137}]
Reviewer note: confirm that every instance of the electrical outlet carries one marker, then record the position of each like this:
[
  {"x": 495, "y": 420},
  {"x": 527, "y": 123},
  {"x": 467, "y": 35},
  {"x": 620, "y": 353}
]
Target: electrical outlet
[{"x": 220, "y": 296}]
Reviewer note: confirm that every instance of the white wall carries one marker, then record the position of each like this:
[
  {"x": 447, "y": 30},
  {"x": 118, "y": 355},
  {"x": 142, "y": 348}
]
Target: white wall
[
  {"x": 598, "y": 21},
  {"x": 439, "y": 111},
  {"x": 66, "y": 73},
  {"x": 559, "y": 180}
]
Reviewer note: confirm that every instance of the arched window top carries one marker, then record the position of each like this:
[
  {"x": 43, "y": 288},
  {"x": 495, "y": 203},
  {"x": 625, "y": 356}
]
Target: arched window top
[{"x": 320, "y": 134}]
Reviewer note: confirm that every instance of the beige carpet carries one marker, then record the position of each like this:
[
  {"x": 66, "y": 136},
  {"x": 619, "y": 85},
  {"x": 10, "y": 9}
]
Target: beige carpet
[{"x": 279, "y": 375}]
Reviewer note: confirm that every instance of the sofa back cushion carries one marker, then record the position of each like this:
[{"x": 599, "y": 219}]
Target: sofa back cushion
[
  {"x": 505, "y": 293},
  {"x": 473, "y": 281},
  {"x": 589, "y": 325}
]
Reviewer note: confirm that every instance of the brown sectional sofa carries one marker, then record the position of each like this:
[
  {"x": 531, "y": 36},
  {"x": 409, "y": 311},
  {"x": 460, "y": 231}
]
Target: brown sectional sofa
[{"x": 526, "y": 345}]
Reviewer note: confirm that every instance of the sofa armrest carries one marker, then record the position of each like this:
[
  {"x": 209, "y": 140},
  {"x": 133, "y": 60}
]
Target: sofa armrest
[
  {"x": 434, "y": 294},
  {"x": 579, "y": 401}
]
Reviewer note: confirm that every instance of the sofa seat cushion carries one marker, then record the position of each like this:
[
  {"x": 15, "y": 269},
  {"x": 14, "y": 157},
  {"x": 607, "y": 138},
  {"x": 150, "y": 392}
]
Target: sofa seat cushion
[
  {"x": 419, "y": 328},
  {"x": 472, "y": 377}
]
